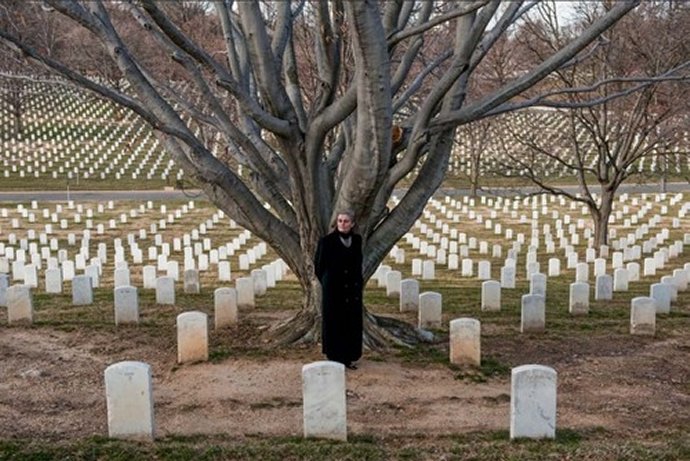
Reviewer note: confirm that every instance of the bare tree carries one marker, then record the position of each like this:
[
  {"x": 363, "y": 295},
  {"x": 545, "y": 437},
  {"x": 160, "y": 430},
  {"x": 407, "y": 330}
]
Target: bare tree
[
  {"x": 21, "y": 19},
  {"x": 606, "y": 143},
  {"x": 473, "y": 142},
  {"x": 306, "y": 95}
]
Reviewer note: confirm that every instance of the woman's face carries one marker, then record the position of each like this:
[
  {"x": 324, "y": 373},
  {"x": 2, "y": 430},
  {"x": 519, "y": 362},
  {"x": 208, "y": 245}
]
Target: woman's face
[{"x": 344, "y": 223}]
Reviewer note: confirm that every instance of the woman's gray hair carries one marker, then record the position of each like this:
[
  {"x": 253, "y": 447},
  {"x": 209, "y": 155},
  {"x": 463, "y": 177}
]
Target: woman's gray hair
[{"x": 347, "y": 212}]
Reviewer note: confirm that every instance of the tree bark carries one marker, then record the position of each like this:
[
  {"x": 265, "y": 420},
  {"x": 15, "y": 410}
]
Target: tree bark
[
  {"x": 601, "y": 216},
  {"x": 474, "y": 178}
]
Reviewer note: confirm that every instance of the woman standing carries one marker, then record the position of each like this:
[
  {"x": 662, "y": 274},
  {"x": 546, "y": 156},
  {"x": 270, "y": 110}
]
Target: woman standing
[{"x": 338, "y": 266}]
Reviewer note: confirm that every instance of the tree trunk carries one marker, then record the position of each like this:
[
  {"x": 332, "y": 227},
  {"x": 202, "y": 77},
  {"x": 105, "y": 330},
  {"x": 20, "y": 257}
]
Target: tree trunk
[
  {"x": 379, "y": 332},
  {"x": 474, "y": 185},
  {"x": 474, "y": 176},
  {"x": 601, "y": 217},
  {"x": 305, "y": 326},
  {"x": 664, "y": 174},
  {"x": 18, "y": 122}
]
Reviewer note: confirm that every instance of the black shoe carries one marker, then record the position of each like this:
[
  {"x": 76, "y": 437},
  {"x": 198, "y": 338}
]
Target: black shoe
[{"x": 351, "y": 366}]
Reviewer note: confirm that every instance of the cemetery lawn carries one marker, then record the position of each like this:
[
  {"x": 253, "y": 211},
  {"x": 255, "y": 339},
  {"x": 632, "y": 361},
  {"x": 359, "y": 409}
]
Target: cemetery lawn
[{"x": 619, "y": 397}]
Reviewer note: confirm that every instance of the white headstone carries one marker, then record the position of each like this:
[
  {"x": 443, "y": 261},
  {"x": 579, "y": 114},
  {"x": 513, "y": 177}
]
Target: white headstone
[
  {"x": 554, "y": 267},
  {"x": 244, "y": 262},
  {"x": 617, "y": 260},
  {"x": 428, "y": 270},
  {"x": 393, "y": 279},
  {"x": 92, "y": 270},
  {"x": 633, "y": 272},
  {"x": 149, "y": 276},
  {"x": 191, "y": 281},
  {"x": 224, "y": 273},
  {"x": 4, "y": 284},
  {"x": 453, "y": 261},
  {"x": 165, "y": 290},
  {"x": 582, "y": 272},
  {"x": 225, "y": 307},
  {"x": 31, "y": 275},
  {"x": 53, "y": 281},
  {"x": 661, "y": 294},
  {"x": 381, "y": 274},
  {"x": 126, "y": 305},
  {"x": 324, "y": 402},
  {"x": 269, "y": 270},
  {"x": 245, "y": 292},
  {"x": 467, "y": 267},
  {"x": 430, "y": 307},
  {"x": 409, "y": 295},
  {"x": 599, "y": 267},
  {"x": 20, "y": 306},
  {"x": 642, "y": 316},
  {"x": 681, "y": 279},
  {"x": 671, "y": 282},
  {"x": 416, "y": 266},
  {"x": 129, "y": 398},
  {"x": 82, "y": 291},
  {"x": 508, "y": 277},
  {"x": 192, "y": 337},
  {"x": 121, "y": 278},
  {"x": 172, "y": 269},
  {"x": 579, "y": 298},
  {"x": 260, "y": 281},
  {"x": 484, "y": 270},
  {"x": 603, "y": 290},
  {"x": 620, "y": 280},
  {"x": 491, "y": 296},
  {"x": 465, "y": 341},
  {"x": 18, "y": 270},
  {"x": 538, "y": 285},
  {"x": 533, "y": 313},
  {"x": 67, "y": 270},
  {"x": 533, "y": 402}
]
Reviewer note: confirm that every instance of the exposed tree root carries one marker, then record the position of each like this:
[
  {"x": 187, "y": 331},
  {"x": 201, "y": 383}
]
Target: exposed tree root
[
  {"x": 302, "y": 328},
  {"x": 379, "y": 332}
]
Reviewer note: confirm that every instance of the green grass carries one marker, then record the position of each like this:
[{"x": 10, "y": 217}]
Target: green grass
[
  {"x": 15, "y": 183},
  {"x": 594, "y": 443},
  {"x": 604, "y": 331}
]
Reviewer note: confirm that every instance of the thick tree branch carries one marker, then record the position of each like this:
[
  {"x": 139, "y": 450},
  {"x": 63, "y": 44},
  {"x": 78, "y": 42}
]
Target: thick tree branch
[
  {"x": 555, "y": 61},
  {"x": 461, "y": 10},
  {"x": 264, "y": 63},
  {"x": 224, "y": 78}
]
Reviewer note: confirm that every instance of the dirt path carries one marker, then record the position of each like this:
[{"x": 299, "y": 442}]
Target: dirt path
[{"x": 51, "y": 387}]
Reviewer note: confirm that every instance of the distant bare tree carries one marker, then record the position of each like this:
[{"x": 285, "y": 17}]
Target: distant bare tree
[
  {"x": 640, "y": 73},
  {"x": 474, "y": 141},
  {"x": 21, "y": 19}
]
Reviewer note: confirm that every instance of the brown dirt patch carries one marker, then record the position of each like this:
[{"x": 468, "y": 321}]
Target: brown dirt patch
[{"x": 51, "y": 386}]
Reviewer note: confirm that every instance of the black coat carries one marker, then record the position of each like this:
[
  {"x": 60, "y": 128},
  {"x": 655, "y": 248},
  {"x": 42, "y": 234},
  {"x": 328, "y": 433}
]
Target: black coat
[{"x": 339, "y": 269}]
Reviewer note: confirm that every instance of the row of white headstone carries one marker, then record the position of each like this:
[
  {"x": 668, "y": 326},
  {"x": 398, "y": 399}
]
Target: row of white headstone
[
  {"x": 449, "y": 253},
  {"x": 130, "y": 403},
  {"x": 533, "y": 305},
  {"x": 18, "y": 257},
  {"x": 551, "y": 132},
  {"x": 19, "y": 300},
  {"x": 428, "y": 272},
  {"x": 505, "y": 212},
  {"x": 126, "y": 148}
]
